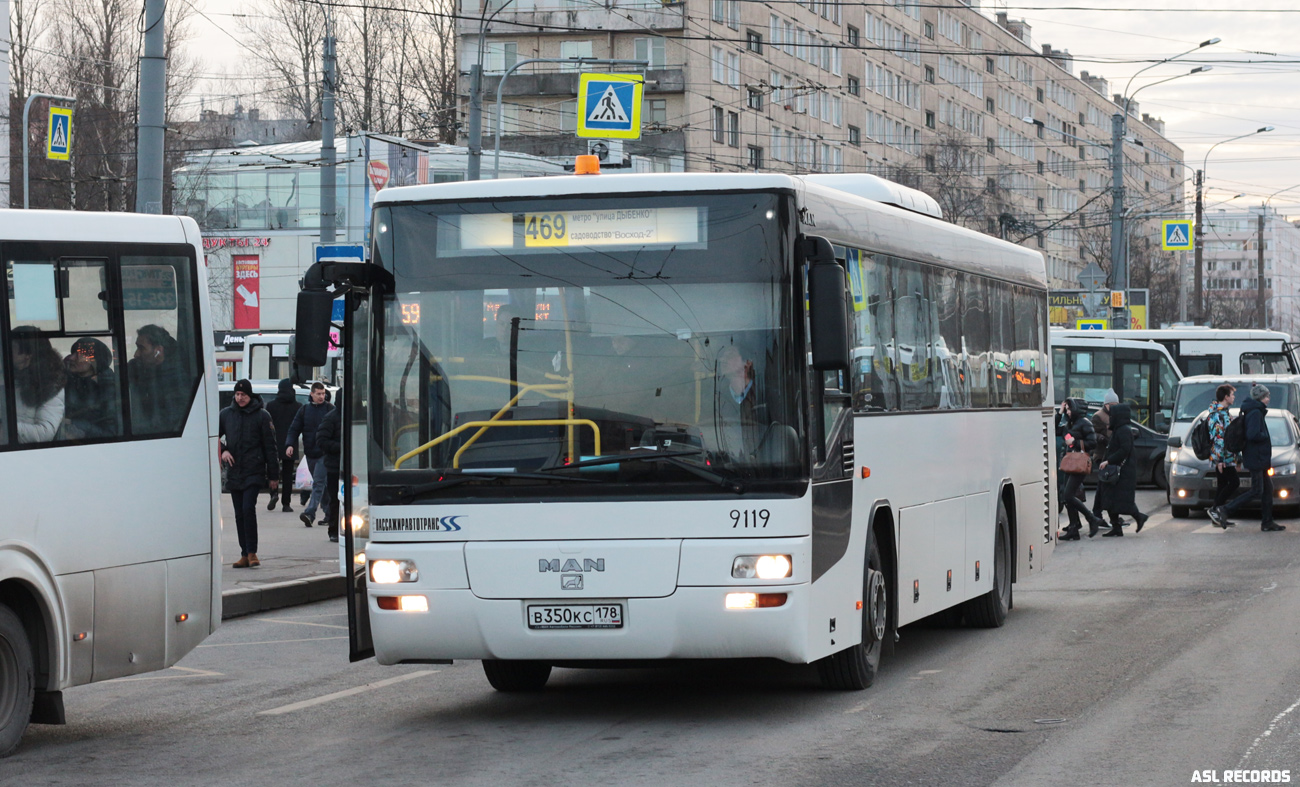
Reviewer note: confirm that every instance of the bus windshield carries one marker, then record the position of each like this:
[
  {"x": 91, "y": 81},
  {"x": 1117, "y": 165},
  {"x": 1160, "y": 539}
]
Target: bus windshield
[{"x": 534, "y": 346}]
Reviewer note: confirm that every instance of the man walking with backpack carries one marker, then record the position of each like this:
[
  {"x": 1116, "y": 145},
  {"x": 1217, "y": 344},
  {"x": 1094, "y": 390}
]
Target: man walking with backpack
[
  {"x": 1257, "y": 456},
  {"x": 1221, "y": 459}
]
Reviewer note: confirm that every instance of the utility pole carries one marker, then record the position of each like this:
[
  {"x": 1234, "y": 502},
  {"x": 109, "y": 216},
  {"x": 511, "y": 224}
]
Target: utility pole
[
  {"x": 1199, "y": 246},
  {"x": 151, "y": 121},
  {"x": 1118, "y": 265},
  {"x": 1261, "y": 304},
  {"x": 475, "y": 164},
  {"x": 328, "y": 155}
]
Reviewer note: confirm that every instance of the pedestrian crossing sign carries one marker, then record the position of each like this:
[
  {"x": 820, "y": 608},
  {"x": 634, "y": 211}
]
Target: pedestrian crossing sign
[
  {"x": 58, "y": 142},
  {"x": 1176, "y": 235},
  {"x": 609, "y": 106}
]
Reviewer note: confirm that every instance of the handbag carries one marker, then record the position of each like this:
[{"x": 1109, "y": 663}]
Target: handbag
[
  {"x": 1076, "y": 463},
  {"x": 1110, "y": 473}
]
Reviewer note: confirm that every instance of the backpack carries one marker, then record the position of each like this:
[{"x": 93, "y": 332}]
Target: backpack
[
  {"x": 1199, "y": 440},
  {"x": 1234, "y": 437}
]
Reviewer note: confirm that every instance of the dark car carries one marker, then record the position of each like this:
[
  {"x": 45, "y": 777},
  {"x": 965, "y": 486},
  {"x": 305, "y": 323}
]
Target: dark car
[{"x": 1192, "y": 485}]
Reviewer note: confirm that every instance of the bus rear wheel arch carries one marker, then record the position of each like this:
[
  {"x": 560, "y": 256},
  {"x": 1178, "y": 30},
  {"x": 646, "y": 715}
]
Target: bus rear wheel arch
[
  {"x": 17, "y": 680},
  {"x": 990, "y": 610}
]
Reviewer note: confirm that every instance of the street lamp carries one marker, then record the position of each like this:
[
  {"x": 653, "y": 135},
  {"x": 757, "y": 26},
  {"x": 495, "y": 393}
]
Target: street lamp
[{"x": 1198, "y": 233}]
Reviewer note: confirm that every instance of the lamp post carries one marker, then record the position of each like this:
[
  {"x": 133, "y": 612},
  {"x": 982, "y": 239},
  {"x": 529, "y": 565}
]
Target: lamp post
[
  {"x": 1118, "y": 125},
  {"x": 1197, "y": 233},
  {"x": 474, "y": 166}
]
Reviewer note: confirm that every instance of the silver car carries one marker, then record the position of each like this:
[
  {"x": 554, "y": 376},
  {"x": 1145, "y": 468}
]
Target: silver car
[{"x": 1193, "y": 483}]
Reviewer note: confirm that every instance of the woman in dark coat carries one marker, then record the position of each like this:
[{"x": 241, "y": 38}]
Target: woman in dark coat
[
  {"x": 1120, "y": 497},
  {"x": 1076, "y": 432}
]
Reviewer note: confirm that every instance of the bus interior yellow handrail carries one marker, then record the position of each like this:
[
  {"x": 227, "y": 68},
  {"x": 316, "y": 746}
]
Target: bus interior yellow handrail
[{"x": 569, "y": 422}]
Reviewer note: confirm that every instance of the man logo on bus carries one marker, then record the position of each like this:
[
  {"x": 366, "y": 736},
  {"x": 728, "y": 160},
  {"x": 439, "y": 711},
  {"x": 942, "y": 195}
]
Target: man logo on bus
[
  {"x": 570, "y": 582},
  {"x": 571, "y": 565}
]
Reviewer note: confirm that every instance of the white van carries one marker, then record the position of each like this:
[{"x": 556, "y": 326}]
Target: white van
[{"x": 1199, "y": 350}]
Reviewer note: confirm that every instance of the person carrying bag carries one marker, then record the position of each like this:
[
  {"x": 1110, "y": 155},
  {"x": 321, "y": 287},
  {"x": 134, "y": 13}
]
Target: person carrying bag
[{"x": 1076, "y": 430}]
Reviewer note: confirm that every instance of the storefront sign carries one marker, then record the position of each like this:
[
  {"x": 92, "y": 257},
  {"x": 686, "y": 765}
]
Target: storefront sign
[
  {"x": 248, "y": 275},
  {"x": 234, "y": 243}
]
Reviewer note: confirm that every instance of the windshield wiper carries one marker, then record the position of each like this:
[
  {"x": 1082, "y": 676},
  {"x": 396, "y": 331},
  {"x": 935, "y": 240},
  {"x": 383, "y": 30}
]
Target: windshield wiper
[
  {"x": 669, "y": 457},
  {"x": 455, "y": 477}
]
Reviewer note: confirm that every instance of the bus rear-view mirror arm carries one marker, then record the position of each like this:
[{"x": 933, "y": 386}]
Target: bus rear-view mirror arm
[
  {"x": 828, "y": 313},
  {"x": 316, "y": 306}
]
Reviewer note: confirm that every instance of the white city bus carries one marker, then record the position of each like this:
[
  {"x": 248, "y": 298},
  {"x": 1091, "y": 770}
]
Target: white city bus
[
  {"x": 107, "y": 446},
  {"x": 1200, "y": 350},
  {"x": 617, "y": 419}
]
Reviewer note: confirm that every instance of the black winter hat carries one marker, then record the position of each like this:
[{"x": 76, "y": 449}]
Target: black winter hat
[{"x": 245, "y": 386}]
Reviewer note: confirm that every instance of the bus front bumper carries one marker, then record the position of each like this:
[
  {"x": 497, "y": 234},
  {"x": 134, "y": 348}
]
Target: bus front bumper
[{"x": 691, "y": 623}]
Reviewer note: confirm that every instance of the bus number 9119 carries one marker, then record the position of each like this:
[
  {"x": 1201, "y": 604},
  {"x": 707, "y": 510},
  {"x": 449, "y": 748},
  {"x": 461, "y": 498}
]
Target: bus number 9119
[{"x": 751, "y": 517}]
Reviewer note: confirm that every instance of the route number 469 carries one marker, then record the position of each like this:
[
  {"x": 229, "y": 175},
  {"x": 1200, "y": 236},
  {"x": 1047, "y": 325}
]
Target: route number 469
[
  {"x": 541, "y": 229},
  {"x": 750, "y": 517}
]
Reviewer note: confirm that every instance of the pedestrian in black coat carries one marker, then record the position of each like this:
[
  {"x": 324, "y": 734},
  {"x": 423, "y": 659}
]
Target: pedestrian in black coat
[
  {"x": 1120, "y": 496},
  {"x": 1258, "y": 458},
  {"x": 1077, "y": 433},
  {"x": 283, "y": 408},
  {"x": 250, "y": 456},
  {"x": 329, "y": 439}
]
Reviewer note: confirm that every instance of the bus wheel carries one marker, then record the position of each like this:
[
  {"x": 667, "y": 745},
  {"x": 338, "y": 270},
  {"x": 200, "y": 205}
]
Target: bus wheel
[
  {"x": 17, "y": 683},
  {"x": 990, "y": 610},
  {"x": 516, "y": 675},
  {"x": 854, "y": 668}
]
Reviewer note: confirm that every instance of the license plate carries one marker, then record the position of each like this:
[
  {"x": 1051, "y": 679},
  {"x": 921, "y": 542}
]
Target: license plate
[{"x": 575, "y": 616}]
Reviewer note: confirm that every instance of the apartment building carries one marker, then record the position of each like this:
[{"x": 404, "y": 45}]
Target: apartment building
[
  {"x": 1231, "y": 274},
  {"x": 930, "y": 95}
]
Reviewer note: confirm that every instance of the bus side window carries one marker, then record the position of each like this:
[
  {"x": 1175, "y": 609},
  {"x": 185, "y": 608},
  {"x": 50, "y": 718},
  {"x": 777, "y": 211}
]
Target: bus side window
[
  {"x": 873, "y": 365},
  {"x": 158, "y": 314},
  {"x": 1166, "y": 391},
  {"x": 1060, "y": 375}
]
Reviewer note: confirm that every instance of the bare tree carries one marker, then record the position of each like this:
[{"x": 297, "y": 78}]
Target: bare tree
[{"x": 290, "y": 35}]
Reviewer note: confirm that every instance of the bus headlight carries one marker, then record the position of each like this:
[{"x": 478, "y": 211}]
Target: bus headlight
[
  {"x": 390, "y": 572},
  {"x": 1284, "y": 469},
  {"x": 761, "y": 567},
  {"x": 360, "y": 525},
  {"x": 1185, "y": 470}
]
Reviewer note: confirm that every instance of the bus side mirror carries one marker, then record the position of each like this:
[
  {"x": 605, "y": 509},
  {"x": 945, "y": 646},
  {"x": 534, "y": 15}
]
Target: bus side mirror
[
  {"x": 312, "y": 329},
  {"x": 828, "y": 316}
]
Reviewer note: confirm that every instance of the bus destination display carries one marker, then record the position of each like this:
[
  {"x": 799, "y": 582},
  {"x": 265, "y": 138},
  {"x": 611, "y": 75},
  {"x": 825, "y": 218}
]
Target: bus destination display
[{"x": 562, "y": 229}]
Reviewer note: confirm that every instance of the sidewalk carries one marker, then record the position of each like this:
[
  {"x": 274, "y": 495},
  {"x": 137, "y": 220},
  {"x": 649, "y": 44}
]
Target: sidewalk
[{"x": 299, "y": 564}]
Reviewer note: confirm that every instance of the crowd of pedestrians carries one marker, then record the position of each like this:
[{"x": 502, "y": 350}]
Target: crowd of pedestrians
[
  {"x": 1105, "y": 439},
  {"x": 261, "y": 444}
]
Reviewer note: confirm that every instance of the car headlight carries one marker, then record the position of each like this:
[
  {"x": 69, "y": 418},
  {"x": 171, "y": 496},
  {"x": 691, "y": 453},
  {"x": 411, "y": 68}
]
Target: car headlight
[
  {"x": 1185, "y": 470},
  {"x": 390, "y": 572},
  {"x": 1284, "y": 469},
  {"x": 1173, "y": 456}
]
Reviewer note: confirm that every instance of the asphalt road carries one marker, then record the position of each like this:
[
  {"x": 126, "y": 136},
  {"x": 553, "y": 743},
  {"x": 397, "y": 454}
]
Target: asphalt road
[{"x": 1146, "y": 660}]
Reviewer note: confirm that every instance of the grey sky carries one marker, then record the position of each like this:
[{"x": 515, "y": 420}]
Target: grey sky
[{"x": 1235, "y": 98}]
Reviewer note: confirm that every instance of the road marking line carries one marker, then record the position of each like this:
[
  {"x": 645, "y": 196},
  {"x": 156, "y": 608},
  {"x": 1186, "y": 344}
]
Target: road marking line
[
  {"x": 1268, "y": 731},
  {"x": 1208, "y": 529},
  {"x": 345, "y": 693},
  {"x": 268, "y": 642},
  {"x": 304, "y": 623},
  {"x": 193, "y": 673}
]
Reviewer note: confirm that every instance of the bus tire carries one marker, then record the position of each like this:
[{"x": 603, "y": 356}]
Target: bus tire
[
  {"x": 990, "y": 610},
  {"x": 855, "y": 668},
  {"x": 516, "y": 675},
  {"x": 17, "y": 681},
  {"x": 1180, "y": 512}
]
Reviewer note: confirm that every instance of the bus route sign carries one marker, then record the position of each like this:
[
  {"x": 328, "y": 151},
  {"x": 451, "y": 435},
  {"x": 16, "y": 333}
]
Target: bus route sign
[{"x": 609, "y": 105}]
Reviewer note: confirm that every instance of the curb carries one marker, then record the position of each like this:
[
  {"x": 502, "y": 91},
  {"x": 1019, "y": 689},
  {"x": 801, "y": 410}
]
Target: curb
[{"x": 278, "y": 595}]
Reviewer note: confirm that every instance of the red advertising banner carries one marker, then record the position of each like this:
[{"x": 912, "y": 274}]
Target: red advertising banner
[{"x": 248, "y": 276}]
